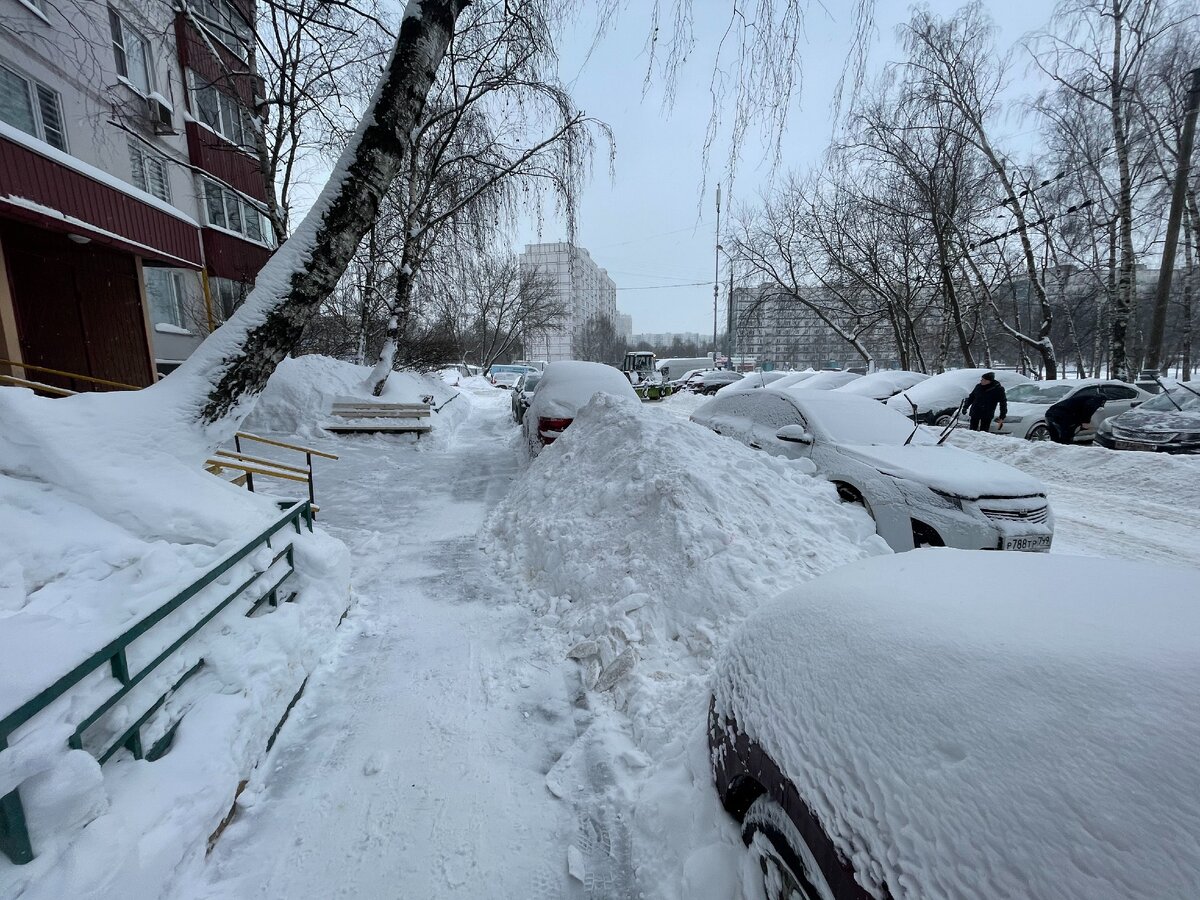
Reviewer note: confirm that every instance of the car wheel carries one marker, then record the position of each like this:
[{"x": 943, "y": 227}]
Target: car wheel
[
  {"x": 788, "y": 868},
  {"x": 1039, "y": 432},
  {"x": 943, "y": 420}
]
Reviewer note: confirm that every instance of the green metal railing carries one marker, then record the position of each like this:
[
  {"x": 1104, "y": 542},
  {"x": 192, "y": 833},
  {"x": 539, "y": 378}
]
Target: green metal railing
[{"x": 14, "y": 835}]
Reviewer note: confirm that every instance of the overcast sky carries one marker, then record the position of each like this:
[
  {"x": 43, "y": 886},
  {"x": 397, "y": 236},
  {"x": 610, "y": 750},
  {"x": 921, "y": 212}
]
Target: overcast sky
[{"x": 650, "y": 226}]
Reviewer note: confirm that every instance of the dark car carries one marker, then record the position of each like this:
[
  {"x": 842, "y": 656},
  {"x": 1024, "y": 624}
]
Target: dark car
[
  {"x": 912, "y": 726},
  {"x": 522, "y": 394},
  {"x": 1167, "y": 423},
  {"x": 711, "y": 382}
]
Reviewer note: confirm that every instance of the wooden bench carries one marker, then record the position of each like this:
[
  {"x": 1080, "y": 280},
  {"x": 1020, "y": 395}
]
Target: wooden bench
[{"x": 367, "y": 417}]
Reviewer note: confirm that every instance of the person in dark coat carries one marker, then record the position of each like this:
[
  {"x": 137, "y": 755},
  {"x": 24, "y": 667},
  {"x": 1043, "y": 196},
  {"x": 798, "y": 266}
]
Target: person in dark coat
[
  {"x": 981, "y": 403},
  {"x": 1067, "y": 416}
]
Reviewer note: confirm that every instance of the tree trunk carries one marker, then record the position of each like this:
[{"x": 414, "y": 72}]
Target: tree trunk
[
  {"x": 1191, "y": 222},
  {"x": 1123, "y": 307},
  {"x": 397, "y": 322},
  {"x": 233, "y": 365}
]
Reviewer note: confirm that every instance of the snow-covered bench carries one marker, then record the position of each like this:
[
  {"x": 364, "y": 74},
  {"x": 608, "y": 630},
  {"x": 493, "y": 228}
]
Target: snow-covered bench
[{"x": 366, "y": 416}]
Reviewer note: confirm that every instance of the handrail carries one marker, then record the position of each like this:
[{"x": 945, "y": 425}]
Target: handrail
[
  {"x": 262, "y": 440},
  {"x": 115, "y": 384},
  {"x": 14, "y": 835},
  {"x": 256, "y": 470},
  {"x": 260, "y": 460},
  {"x": 36, "y": 385}
]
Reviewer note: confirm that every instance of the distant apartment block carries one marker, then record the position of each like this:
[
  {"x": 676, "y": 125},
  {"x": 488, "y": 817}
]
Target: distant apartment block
[
  {"x": 584, "y": 288},
  {"x": 625, "y": 326},
  {"x": 666, "y": 338},
  {"x": 128, "y": 182}
]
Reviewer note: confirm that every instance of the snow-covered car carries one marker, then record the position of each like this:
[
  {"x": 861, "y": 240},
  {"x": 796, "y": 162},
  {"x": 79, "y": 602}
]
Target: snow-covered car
[
  {"x": 755, "y": 380},
  {"x": 882, "y": 384},
  {"x": 792, "y": 378},
  {"x": 912, "y": 726},
  {"x": 1168, "y": 422},
  {"x": 711, "y": 382},
  {"x": 683, "y": 381},
  {"x": 939, "y": 397},
  {"x": 522, "y": 394},
  {"x": 565, "y": 388},
  {"x": 507, "y": 376},
  {"x": 917, "y": 491},
  {"x": 1027, "y": 405},
  {"x": 820, "y": 381}
]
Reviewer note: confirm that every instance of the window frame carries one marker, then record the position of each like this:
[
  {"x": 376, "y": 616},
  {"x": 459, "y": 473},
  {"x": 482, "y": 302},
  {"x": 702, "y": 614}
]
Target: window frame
[
  {"x": 119, "y": 24},
  {"x": 32, "y": 95},
  {"x": 226, "y": 107},
  {"x": 175, "y": 299},
  {"x": 145, "y": 158},
  {"x": 221, "y": 24},
  {"x": 210, "y": 190}
]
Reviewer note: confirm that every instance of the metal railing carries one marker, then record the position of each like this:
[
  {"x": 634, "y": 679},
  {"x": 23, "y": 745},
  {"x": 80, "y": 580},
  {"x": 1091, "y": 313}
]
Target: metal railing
[
  {"x": 250, "y": 466},
  {"x": 14, "y": 835},
  {"x": 37, "y": 385}
]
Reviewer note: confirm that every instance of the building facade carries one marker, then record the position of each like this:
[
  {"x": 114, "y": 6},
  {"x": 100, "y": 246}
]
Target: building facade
[
  {"x": 132, "y": 204},
  {"x": 625, "y": 327},
  {"x": 584, "y": 288}
]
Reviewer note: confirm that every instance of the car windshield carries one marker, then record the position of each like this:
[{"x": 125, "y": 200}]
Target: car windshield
[
  {"x": 1184, "y": 399},
  {"x": 531, "y": 382},
  {"x": 1043, "y": 394},
  {"x": 868, "y": 422}
]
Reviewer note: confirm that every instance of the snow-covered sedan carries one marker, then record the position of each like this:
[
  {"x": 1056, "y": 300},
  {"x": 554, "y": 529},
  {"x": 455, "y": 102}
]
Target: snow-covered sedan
[
  {"x": 917, "y": 491},
  {"x": 1167, "y": 423},
  {"x": 820, "y": 381},
  {"x": 883, "y": 384},
  {"x": 1027, "y": 405},
  {"x": 565, "y": 388},
  {"x": 913, "y": 726},
  {"x": 755, "y": 380},
  {"x": 938, "y": 398},
  {"x": 522, "y": 394},
  {"x": 507, "y": 376}
]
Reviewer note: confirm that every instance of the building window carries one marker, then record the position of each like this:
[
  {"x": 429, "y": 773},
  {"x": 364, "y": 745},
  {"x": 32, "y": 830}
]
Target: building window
[
  {"x": 226, "y": 24},
  {"x": 228, "y": 209},
  {"x": 149, "y": 171},
  {"x": 131, "y": 51},
  {"x": 164, "y": 295},
  {"x": 222, "y": 113},
  {"x": 32, "y": 107},
  {"x": 227, "y": 294}
]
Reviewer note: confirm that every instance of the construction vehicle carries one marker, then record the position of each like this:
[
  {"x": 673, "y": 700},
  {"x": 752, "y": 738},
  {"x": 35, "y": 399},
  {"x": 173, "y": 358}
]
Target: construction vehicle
[{"x": 639, "y": 367}]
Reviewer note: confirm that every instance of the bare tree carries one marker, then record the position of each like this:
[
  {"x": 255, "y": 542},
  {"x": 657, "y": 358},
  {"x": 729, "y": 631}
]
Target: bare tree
[{"x": 597, "y": 340}]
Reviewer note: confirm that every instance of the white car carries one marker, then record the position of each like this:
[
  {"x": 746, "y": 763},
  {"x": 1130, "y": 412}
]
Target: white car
[
  {"x": 939, "y": 397},
  {"x": 883, "y": 384},
  {"x": 754, "y": 380},
  {"x": 973, "y": 726},
  {"x": 1027, "y": 405},
  {"x": 819, "y": 381},
  {"x": 792, "y": 378},
  {"x": 507, "y": 376},
  {"x": 917, "y": 491},
  {"x": 565, "y": 388}
]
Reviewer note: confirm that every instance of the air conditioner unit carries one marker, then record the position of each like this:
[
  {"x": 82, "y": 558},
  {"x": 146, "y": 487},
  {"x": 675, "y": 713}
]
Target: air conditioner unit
[{"x": 161, "y": 116}]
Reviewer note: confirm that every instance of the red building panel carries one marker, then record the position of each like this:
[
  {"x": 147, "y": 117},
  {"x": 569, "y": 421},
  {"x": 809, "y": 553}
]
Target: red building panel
[
  {"x": 98, "y": 210},
  {"x": 194, "y": 54},
  {"x": 229, "y": 256},
  {"x": 212, "y": 153}
]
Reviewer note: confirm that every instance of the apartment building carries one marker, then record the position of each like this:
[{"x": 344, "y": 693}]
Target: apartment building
[
  {"x": 584, "y": 288},
  {"x": 132, "y": 204}
]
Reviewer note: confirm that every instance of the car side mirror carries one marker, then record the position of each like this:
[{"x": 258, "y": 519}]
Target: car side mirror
[
  {"x": 794, "y": 434},
  {"x": 1135, "y": 403}
]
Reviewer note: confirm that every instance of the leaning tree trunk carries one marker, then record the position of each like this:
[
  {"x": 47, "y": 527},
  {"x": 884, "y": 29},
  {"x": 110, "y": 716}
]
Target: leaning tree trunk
[{"x": 235, "y": 362}]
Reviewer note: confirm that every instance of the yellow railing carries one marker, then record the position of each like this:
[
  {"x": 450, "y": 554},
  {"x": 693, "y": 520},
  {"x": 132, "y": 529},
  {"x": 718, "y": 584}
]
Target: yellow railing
[
  {"x": 250, "y": 466},
  {"x": 115, "y": 385},
  {"x": 36, "y": 385}
]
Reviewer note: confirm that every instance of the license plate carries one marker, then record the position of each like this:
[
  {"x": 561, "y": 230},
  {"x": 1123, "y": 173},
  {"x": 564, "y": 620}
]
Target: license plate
[
  {"x": 1132, "y": 445},
  {"x": 1029, "y": 542}
]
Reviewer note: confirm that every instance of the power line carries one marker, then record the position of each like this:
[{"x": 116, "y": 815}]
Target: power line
[{"x": 659, "y": 287}]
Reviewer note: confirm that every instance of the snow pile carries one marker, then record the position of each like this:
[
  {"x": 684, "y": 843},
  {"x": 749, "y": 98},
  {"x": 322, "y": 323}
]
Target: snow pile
[
  {"x": 300, "y": 393},
  {"x": 989, "y": 742},
  {"x": 642, "y": 539},
  {"x": 93, "y": 542}
]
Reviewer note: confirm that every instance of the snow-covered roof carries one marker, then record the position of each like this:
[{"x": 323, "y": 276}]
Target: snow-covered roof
[
  {"x": 569, "y": 384},
  {"x": 822, "y": 381},
  {"x": 949, "y": 388},
  {"x": 969, "y": 724},
  {"x": 881, "y": 385}
]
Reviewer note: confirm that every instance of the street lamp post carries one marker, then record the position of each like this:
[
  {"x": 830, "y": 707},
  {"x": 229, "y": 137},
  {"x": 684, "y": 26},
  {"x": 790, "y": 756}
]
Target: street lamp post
[{"x": 716, "y": 274}]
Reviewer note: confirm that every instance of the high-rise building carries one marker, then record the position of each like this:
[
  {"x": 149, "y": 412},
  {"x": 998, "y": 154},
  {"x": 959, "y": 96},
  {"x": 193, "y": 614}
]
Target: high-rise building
[
  {"x": 128, "y": 181},
  {"x": 584, "y": 288},
  {"x": 625, "y": 326}
]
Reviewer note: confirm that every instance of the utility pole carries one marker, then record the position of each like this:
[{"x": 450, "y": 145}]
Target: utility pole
[
  {"x": 716, "y": 274},
  {"x": 730, "y": 343},
  {"x": 1158, "y": 324}
]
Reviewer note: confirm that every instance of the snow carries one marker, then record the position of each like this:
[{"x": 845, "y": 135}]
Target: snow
[
  {"x": 101, "y": 526},
  {"x": 988, "y": 741},
  {"x": 1160, "y": 415},
  {"x": 567, "y": 386},
  {"x": 948, "y": 470},
  {"x": 820, "y": 381},
  {"x": 882, "y": 384},
  {"x": 167, "y": 328},
  {"x": 948, "y": 389}
]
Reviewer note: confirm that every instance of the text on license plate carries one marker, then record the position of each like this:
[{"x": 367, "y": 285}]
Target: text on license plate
[
  {"x": 1028, "y": 542},
  {"x": 1132, "y": 445}
]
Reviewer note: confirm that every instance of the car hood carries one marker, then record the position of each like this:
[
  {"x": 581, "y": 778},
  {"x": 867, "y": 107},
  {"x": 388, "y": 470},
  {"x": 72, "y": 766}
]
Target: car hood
[
  {"x": 1157, "y": 421},
  {"x": 947, "y": 469}
]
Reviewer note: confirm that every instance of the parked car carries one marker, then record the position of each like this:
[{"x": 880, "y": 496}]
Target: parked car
[
  {"x": 792, "y": 378},
  {"x": 565, "y": 388},
  {"x": 938, "y": 398},
  {"x": 522, "y": 394},
  {"x": 1027, "y": 405},
  {"x": 821, "y": 381},
  {"x": 682, "y": 382},
  {"x": 919, "y": 726},
  {"x": 755, "y": 380},
  {"x": 507, "y": 376},
  {"x": 1168, "y": 422},
  {"x": 711, "y": 382},
  {"x": 882, "y": 384},
  {"x": 917, "y": 491}
]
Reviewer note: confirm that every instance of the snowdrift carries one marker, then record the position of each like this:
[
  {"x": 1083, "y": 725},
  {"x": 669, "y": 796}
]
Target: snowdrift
[
  {"x": 643, "y": 539},
  {"x": 93, "y": 540},
  {"x": 299, "y": 394}
]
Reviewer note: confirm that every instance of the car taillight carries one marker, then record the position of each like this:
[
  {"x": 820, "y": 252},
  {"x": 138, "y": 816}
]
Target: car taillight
[{"x": 549, "y": 428}]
